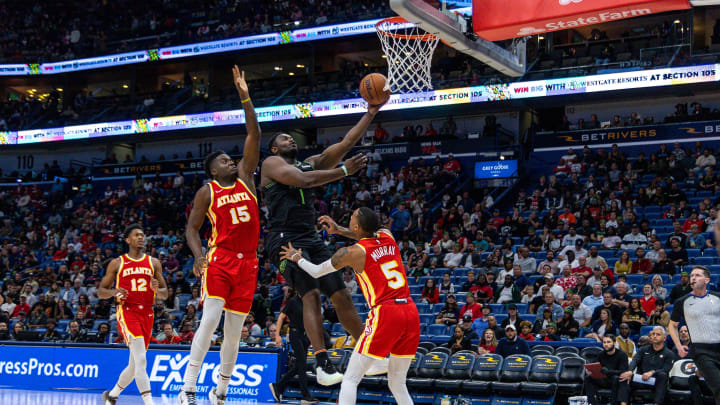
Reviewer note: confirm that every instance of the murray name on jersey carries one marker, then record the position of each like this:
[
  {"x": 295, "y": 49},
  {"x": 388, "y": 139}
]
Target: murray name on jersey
[{"x": 380, "y": 251}]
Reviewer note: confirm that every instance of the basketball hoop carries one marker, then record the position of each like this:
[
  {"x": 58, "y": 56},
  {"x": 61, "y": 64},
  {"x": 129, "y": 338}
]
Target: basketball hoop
[{"x": 409, "y": 52}]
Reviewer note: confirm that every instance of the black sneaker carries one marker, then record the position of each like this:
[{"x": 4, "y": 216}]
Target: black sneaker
[
  {"x": 327, "y": 374},
  {"x": 276, "y": 393},
  {"x": 187, "y": 398},
  {"x": 107, "y": 399}
]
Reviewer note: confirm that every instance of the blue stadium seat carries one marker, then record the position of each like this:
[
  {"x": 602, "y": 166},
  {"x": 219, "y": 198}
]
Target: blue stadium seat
[
  {"x": 337, "y": 330},
  {"x": 427, "y": 319},
  {"x": 693, "y": 253},
  {"x": 606, "y": 253},
  {"x": 423, "y": 308},
  {"x": 635, "y": 278},
  {"x": 437, "y": 330},
  {"x": 704, "y": 261}
]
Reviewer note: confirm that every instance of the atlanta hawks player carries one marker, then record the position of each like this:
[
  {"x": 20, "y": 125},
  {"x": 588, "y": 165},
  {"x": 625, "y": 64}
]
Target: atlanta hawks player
[
  {"x": 229, "y": 271},
  {"x": 137, "y": 278},
  {"x": 393, "y": 325}
]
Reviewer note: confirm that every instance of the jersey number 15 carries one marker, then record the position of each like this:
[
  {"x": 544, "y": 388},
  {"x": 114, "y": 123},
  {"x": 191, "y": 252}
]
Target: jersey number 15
[{"x": 239, "y": 214}]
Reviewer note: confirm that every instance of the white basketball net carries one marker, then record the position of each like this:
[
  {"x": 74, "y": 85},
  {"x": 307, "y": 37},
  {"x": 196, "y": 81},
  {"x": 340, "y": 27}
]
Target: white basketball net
[{"x": 409, "y": 52}]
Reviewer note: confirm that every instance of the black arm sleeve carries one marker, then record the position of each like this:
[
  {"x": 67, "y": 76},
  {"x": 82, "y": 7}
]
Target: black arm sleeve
[{"x": 677, "y": 313}]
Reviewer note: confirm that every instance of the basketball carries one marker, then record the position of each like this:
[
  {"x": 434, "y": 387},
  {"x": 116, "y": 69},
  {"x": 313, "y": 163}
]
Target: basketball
[{"x": 371, "y": 89}]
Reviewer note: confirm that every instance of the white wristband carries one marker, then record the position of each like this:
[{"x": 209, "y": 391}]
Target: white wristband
[{"x": 344, "y": 169}]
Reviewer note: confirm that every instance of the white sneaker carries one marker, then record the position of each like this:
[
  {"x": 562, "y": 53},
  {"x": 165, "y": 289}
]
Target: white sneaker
[
  {"x": 328, "y": 374},
  {"x": 187, "y": 398},
  {"x": 379, "y": 367},
  {"x": 216, "y": 399}
]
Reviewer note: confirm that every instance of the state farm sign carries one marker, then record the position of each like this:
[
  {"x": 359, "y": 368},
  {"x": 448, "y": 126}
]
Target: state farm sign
[{"x": 495, "y": 20}]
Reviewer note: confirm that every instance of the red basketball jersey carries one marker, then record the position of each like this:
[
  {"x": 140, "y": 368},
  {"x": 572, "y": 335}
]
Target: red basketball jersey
[
  {"x": 384, "y": 275},
  {"x": 234, "y": 216},
  {"x": 135, "y": 276}
]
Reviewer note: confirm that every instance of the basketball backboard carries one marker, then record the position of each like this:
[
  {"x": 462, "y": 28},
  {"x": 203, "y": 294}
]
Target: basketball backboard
[{"x": 452, "y": 29}]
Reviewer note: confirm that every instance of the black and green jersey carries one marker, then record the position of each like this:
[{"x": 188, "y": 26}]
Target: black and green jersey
[{"x": 291, "y": 209}]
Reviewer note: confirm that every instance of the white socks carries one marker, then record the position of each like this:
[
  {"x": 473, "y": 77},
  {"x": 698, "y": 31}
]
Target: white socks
[
  {"x": 212, "y": 310},
  {"x": 229, "y": 350}
]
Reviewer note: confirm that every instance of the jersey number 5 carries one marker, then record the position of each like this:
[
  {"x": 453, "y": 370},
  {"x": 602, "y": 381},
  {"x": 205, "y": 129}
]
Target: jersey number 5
[
  {"x": 240, "y": 214},
  {"x": 395, "y": 278},
  {"x": 139, "y": 284}
]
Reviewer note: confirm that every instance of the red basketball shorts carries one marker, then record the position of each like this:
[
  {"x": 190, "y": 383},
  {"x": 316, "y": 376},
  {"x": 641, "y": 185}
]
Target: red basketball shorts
[
  {"x": 391, "y": 329},
  {"x": 231, "y": 277},
  {"x": 135, "y": 321}
]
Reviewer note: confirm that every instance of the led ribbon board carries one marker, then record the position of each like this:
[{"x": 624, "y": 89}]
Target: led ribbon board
[{"x": 464, "y": 95}]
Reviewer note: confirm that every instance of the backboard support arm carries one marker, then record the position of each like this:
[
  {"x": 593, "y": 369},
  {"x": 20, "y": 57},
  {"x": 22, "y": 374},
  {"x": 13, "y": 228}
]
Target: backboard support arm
[{"x": 509, "y": 62}]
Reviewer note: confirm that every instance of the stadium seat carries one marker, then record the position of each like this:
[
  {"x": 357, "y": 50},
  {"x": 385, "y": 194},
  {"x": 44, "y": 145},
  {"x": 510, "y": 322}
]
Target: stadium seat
[
  {"x": 590, "y": 354},
  {"x": 572, "y": 376},
  {"x": 441, "y": 349},
  {"x": 427, "y": 319},
  {"x": 486, "y": 370},
  {"x": 436, "y": 329},
  {"x": 566, "y": 349},
  {"x": 431, "y": 367},
  {"x": 423, "y": 308},
  {"x": 567, "y": 355},
  {"x": 543, "y": 347},
  {"x": 678, "y": 384},
  {"x": 703, "y": 261},
  {"x": 543, "y": 378},
  {"x": 427, "y": 345},
  {"x": 459, "y": 368},
  {"x": 422, "y": 350},
  {"x": 412, "y": 371},
  {"x": 515, "y": 369},
  {"x": 337, "y": 330}
]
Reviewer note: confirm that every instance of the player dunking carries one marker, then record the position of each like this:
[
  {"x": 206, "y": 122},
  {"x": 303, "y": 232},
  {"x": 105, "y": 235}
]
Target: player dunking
[
  {"x": 137, "y": 278},
  {"x": 393, "y": 325},
  {"x": 288, "y": 186},
  {"x": 229, "y": 271}
]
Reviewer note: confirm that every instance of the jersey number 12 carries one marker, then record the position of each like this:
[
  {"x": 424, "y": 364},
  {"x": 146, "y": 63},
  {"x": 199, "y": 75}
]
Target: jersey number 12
[{"x": 139, "y": 284}]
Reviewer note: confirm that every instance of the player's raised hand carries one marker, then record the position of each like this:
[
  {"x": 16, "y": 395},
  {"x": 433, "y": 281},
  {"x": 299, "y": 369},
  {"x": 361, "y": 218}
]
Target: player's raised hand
[
  {"x": 290, "y": 253},
  {"x": 328, "y": 223},
  {"x": 355, "y": 163},
  {"x": 154, "y": 284},
  {"x": 374, "y": 108},
  {"x": 121, "y": 293},
  {"x": 199, "y": 266},
  {"x": 240, "y": 83}
]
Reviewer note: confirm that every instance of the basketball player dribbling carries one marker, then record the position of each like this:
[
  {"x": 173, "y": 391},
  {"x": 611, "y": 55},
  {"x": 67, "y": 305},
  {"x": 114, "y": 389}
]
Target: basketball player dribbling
[
  {"x": 137, "y": 278},
  {"x": 229, "y": 270},
  {"x": 288, "y": 186},
  {"x": 393, "y": 324}
]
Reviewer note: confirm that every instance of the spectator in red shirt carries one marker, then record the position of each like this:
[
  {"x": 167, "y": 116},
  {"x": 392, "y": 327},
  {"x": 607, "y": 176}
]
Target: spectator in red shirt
[
  {"x": 452, "y": 165},
  {"x": 488, "y": 342},
  {"x": 430, "y": 130},
  {"x": 567, "y": 216},
  {"x": 430, "y": 293},
  {"x": 693, "y": 220},
  {"x": 582, "y": 268},
  {"x": 496, "y": 220},
  {"x": 23, "y": 307},
  {"x": 170, "y": 337},
  {"x": 471, "y": 307},
  {"x": 648, "y": 300},
  {"x": 187, "y": 334},
  {"x": 642, "y": 265},
  {"x": 381, "y": 134}
]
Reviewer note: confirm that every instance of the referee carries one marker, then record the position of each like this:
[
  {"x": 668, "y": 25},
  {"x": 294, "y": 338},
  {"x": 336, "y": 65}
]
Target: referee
[{"x": 701, "y": 311}]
